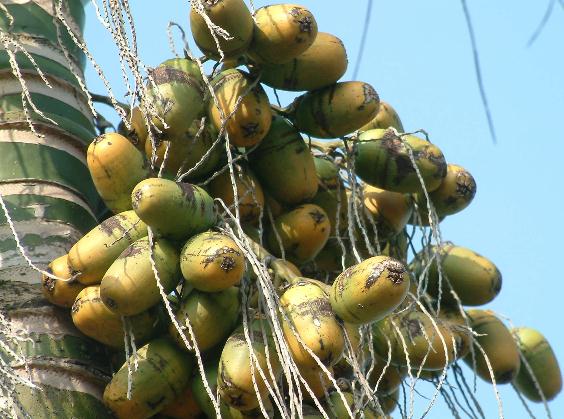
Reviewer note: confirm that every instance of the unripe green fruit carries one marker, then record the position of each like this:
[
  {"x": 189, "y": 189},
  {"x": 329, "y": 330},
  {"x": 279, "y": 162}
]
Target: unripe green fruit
[
  {"x": 202, "y": 309},
  {"x": 383, "y": 160},
  {"x": 162, "y": 373},
  {"x": 475, "y": 279},
  {"x": 497, "y": 343},
  {"x": 542, "y": 361},
  {"x": 335, "y": 110},
  {"x": 173, "y": 210},
  {"x": 430, "y": 345},
  {"x": 284, "y": 165},
  {"x": 130, "y": 286},
  {"x": 177, "y": 95}
]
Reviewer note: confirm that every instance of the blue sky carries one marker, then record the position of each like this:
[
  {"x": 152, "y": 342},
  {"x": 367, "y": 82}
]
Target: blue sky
[{"x": 418, "y": 57}]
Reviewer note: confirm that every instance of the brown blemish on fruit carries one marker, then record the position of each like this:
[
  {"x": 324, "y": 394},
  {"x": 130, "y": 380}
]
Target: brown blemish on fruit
[
  {"x": 227, "y": 262},
  {"x": 187, "y": 191},
  {"x": 506, "y": 376},
  {"x": 99, "y": 139},
  {"x": 374, "y": 275},
  {"x": 164, "y": 75},
  {"x": 110, "y": 302},
  {"x": 131, "y": 251},
  {"x": 413, "y": 327},
  {"x": 76, "y": 305},
  {"x": 250, "y": 129},
  {"x": 209, "y": 3},
  {"x": 113, "y": 223},
  {"x": 341, "y": 279},
  {"x": 137, "y": 195},
  {"x": 317, "y": 216},
  {"x": 396, "y": 271},
  {"x": 370, "y": 95},
  {"x": 465, "y": 185},
  {"x": 496, "y": 283},
  {"x": 48, "y": 282},
  {"x": 317, "y": 307},
  {"x": 154, "y": 405}
]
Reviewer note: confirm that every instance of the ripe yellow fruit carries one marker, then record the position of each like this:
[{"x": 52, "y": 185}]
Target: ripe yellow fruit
[
  {"x": 184, "y": 406},
  {"x": 307, "y": 313},
  {"x": 244, "y": 109},
  {"x": 387, "y": 117},
  {"x": 185, "y": 151},
  {"x": 61, "y": 292},
  {"x": 116, "y": 166},
  {"x": 303, "y": 233},
  {"x": 91, "y": 316},
  {"x": 93, "y": 254},
  {"x": 317, "y": 380},
  {"x": 138, "y": 132},
  {"x": 235, "y": 377},
  {"x": 390, "y": 211},
  {"x": 282, "y": 32},
  {"x": 249, "y": 193},
  {"x": 456, "y": 192},
  {"x": 233, "y": 16},
  {"x": 369, "y": 291},
  {"x": 212, "y": 262},
  {"x": 322, "y": 64}
]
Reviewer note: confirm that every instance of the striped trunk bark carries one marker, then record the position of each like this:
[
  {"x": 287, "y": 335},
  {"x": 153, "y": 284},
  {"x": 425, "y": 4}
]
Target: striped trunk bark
[{"x": 46, "y": 187}]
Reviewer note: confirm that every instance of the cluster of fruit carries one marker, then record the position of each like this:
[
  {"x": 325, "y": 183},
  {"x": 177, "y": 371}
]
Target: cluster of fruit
[{"x": 279, "y": 265}]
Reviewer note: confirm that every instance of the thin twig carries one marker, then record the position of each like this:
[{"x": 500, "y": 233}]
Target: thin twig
[{"x": 478, "y": 70}]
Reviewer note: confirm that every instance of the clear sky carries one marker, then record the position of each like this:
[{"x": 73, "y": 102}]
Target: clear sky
[{"x": 418, "y": 57}]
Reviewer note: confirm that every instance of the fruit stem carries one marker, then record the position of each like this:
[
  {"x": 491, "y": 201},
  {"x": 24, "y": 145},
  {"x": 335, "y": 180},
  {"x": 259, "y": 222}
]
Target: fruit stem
[{"x": 281, "y": 271}]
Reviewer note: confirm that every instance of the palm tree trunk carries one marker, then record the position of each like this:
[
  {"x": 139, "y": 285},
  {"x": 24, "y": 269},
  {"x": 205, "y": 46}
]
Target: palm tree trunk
[{"x": 51, "y": 201}]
